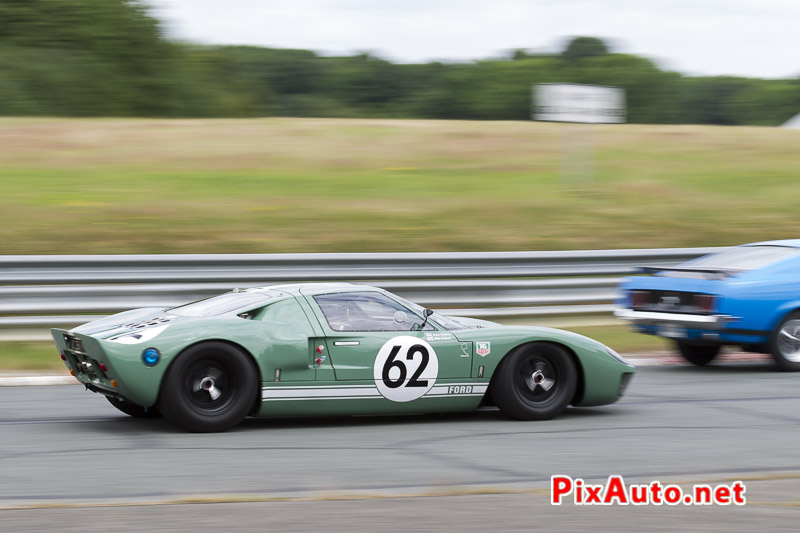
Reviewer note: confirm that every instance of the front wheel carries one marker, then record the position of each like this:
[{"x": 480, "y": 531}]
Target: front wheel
[
  {"x": 535, "y": 382},
  {"x": 132, "y": 409},
  {"x": 698, "y": 354},
  {"x": 785, "y": 343},
  {"x": 211, "y": 386}
]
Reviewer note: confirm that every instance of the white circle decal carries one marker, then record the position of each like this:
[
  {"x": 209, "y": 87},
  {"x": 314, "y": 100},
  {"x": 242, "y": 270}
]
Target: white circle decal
[{"x": 405, "y": 368}]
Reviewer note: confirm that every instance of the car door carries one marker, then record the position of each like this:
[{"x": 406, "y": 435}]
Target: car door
[
  {"x": 290, "y": 341},
  {"x": 372, "y": 338}
]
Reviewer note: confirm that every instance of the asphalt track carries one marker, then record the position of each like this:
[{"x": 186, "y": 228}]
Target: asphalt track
[{"x": 70, "y": 462}]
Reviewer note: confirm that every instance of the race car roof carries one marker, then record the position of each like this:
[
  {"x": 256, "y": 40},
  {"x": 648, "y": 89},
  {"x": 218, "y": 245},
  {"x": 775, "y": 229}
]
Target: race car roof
[{"x": 789, "y": 243}]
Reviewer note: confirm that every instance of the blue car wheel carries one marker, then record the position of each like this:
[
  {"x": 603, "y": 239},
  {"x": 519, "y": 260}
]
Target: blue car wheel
[{"x": 785, "y": 343}]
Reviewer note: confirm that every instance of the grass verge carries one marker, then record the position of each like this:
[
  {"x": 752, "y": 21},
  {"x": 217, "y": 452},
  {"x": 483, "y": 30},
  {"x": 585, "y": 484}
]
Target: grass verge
[
  {"x": 89, "y": 186},
  {"x": 30, "y": 357}
]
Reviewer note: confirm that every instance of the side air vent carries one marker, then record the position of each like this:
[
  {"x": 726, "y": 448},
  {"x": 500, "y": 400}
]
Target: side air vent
[{"x": 148, "y": 323}]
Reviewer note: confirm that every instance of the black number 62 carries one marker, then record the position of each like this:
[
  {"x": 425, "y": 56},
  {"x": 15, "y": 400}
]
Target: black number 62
[{"x": 392, "y": 362}]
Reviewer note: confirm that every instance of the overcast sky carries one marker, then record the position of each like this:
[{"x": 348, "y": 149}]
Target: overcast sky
[{"x": 743, "y": 37}]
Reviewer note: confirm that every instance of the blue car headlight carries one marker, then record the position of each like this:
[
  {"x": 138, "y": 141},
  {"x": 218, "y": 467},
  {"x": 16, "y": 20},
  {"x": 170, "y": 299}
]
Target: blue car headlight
[{"x": 151, "y": 356}]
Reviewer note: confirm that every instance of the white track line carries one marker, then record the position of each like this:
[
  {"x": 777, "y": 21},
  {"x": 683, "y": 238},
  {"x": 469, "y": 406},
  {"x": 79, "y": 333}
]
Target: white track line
[{"x": 24, "y": 381}]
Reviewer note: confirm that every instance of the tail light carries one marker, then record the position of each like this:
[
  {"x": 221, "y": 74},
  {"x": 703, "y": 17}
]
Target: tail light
[
  {"x": 704, "y": 303},
  {"x": 640, "y": 298}
]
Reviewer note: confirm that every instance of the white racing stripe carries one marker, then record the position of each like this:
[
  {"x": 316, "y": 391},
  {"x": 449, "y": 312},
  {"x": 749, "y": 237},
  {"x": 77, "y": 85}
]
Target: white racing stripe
[
  {"x": 362, "y": 392},
  {"x": 317, "y": 387},
  {"x": 321, "y": 398},
  {"x": 453, "y": 394},
  {"x": 318, "y": 393},
  {"x": 467, "y": 388}
]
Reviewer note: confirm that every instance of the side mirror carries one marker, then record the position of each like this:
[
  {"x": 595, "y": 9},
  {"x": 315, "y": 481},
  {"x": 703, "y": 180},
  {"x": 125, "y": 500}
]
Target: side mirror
[{"x": 427, "y": 313}]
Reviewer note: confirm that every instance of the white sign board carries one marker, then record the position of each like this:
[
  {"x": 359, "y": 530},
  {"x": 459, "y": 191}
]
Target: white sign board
[{"x": 570, "y": 102}]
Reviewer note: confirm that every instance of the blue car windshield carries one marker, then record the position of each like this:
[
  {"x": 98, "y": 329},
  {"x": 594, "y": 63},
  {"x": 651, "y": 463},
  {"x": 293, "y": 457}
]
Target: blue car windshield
[
  {"x": 745, "y": 257},
  {"x": 218, "y": 305}
]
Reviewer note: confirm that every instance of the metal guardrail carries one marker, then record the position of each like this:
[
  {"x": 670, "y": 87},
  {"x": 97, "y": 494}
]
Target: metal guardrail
[{"x": 37, "y": 292}]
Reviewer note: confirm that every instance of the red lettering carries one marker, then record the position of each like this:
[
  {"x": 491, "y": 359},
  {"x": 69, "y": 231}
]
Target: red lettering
[
  {"x": 672, "y": 494},
  {"x": 616, "y": 492},
  {"x": 655, "y": 493},
  {"x": 638, "y": 494},
  {"x": 615, "y": 488},
  {"x": 702, "y": 494},
  {"x": 593, "y": 493},
  {"x": 738, "y": 493},
  {"x": 559, "y": 486}
]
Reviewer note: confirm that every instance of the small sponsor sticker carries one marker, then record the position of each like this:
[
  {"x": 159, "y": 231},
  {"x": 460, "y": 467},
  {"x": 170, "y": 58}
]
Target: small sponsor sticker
[
  {"x": 438, "y": 336},
  {"x": 483, "y": 348}
]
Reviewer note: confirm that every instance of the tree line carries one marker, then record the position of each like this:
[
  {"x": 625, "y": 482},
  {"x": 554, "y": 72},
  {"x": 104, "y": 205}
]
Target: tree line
[{"x": 112, "y": 58}]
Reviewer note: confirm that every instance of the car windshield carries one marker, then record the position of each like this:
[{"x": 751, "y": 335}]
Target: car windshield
[
  {"x": 745, "y": 257},
  {"x": 441, "y": 320},
  {"x": 218, "y": 305}
]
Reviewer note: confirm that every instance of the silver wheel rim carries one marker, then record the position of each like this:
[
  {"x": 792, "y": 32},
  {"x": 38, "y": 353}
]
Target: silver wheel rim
[
  {"x": 538, "y": 379},
  {"x": 209, "y": 385},
  {"x": 789, "y": 340}
]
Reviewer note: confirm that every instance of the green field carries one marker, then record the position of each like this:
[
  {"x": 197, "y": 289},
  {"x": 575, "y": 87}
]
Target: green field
[
  {"x": 84, "y": 186},
  {"x": 327, "y": 185},
  {"x": 30, "y": 356}
]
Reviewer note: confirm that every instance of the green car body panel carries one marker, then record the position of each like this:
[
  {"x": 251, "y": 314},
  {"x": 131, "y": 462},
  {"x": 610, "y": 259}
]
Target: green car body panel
[{"x": 306, "y": 367}]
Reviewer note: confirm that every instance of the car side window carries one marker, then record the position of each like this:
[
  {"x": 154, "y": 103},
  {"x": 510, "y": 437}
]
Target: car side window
[{"x": 366, "y": 311}]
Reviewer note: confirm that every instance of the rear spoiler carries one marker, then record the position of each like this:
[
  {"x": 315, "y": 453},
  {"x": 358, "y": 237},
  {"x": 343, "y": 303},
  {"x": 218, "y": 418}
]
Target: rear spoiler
[{"x": 712, "y": 273}]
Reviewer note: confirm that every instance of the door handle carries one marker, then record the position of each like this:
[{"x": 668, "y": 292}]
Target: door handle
[{"x": 346, "y": 343}]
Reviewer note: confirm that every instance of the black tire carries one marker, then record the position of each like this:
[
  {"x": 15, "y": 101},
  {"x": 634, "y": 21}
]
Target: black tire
[
  {"x": 784, "y": 343},
  {"x": 698, "y": 354},
  {"x": 209, "y": 387},
  {"x": 520, "y": 385},
  {"x": 136, "y": 411}
]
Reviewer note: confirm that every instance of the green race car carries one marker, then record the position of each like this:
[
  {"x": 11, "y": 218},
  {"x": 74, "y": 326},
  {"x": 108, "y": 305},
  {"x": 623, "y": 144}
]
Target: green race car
[{"x": 331, "y": 349}]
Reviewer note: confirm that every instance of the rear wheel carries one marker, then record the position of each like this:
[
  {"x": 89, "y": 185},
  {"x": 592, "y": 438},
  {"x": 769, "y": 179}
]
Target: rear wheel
[
  {"x": 212, "y": 386},
  {"x": 535, "y": 382},
  {"x": 136, "y": 411},
  {"x": 785, "y": 343},
  {"x": 698, "y": 354}
]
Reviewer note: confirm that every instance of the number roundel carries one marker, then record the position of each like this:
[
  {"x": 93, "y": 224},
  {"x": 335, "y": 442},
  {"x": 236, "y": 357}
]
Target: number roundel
[{"x": 405, "y": 368}]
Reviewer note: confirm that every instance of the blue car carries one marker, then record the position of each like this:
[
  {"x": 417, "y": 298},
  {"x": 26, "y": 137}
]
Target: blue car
[{"x": 747, "y": 296}]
